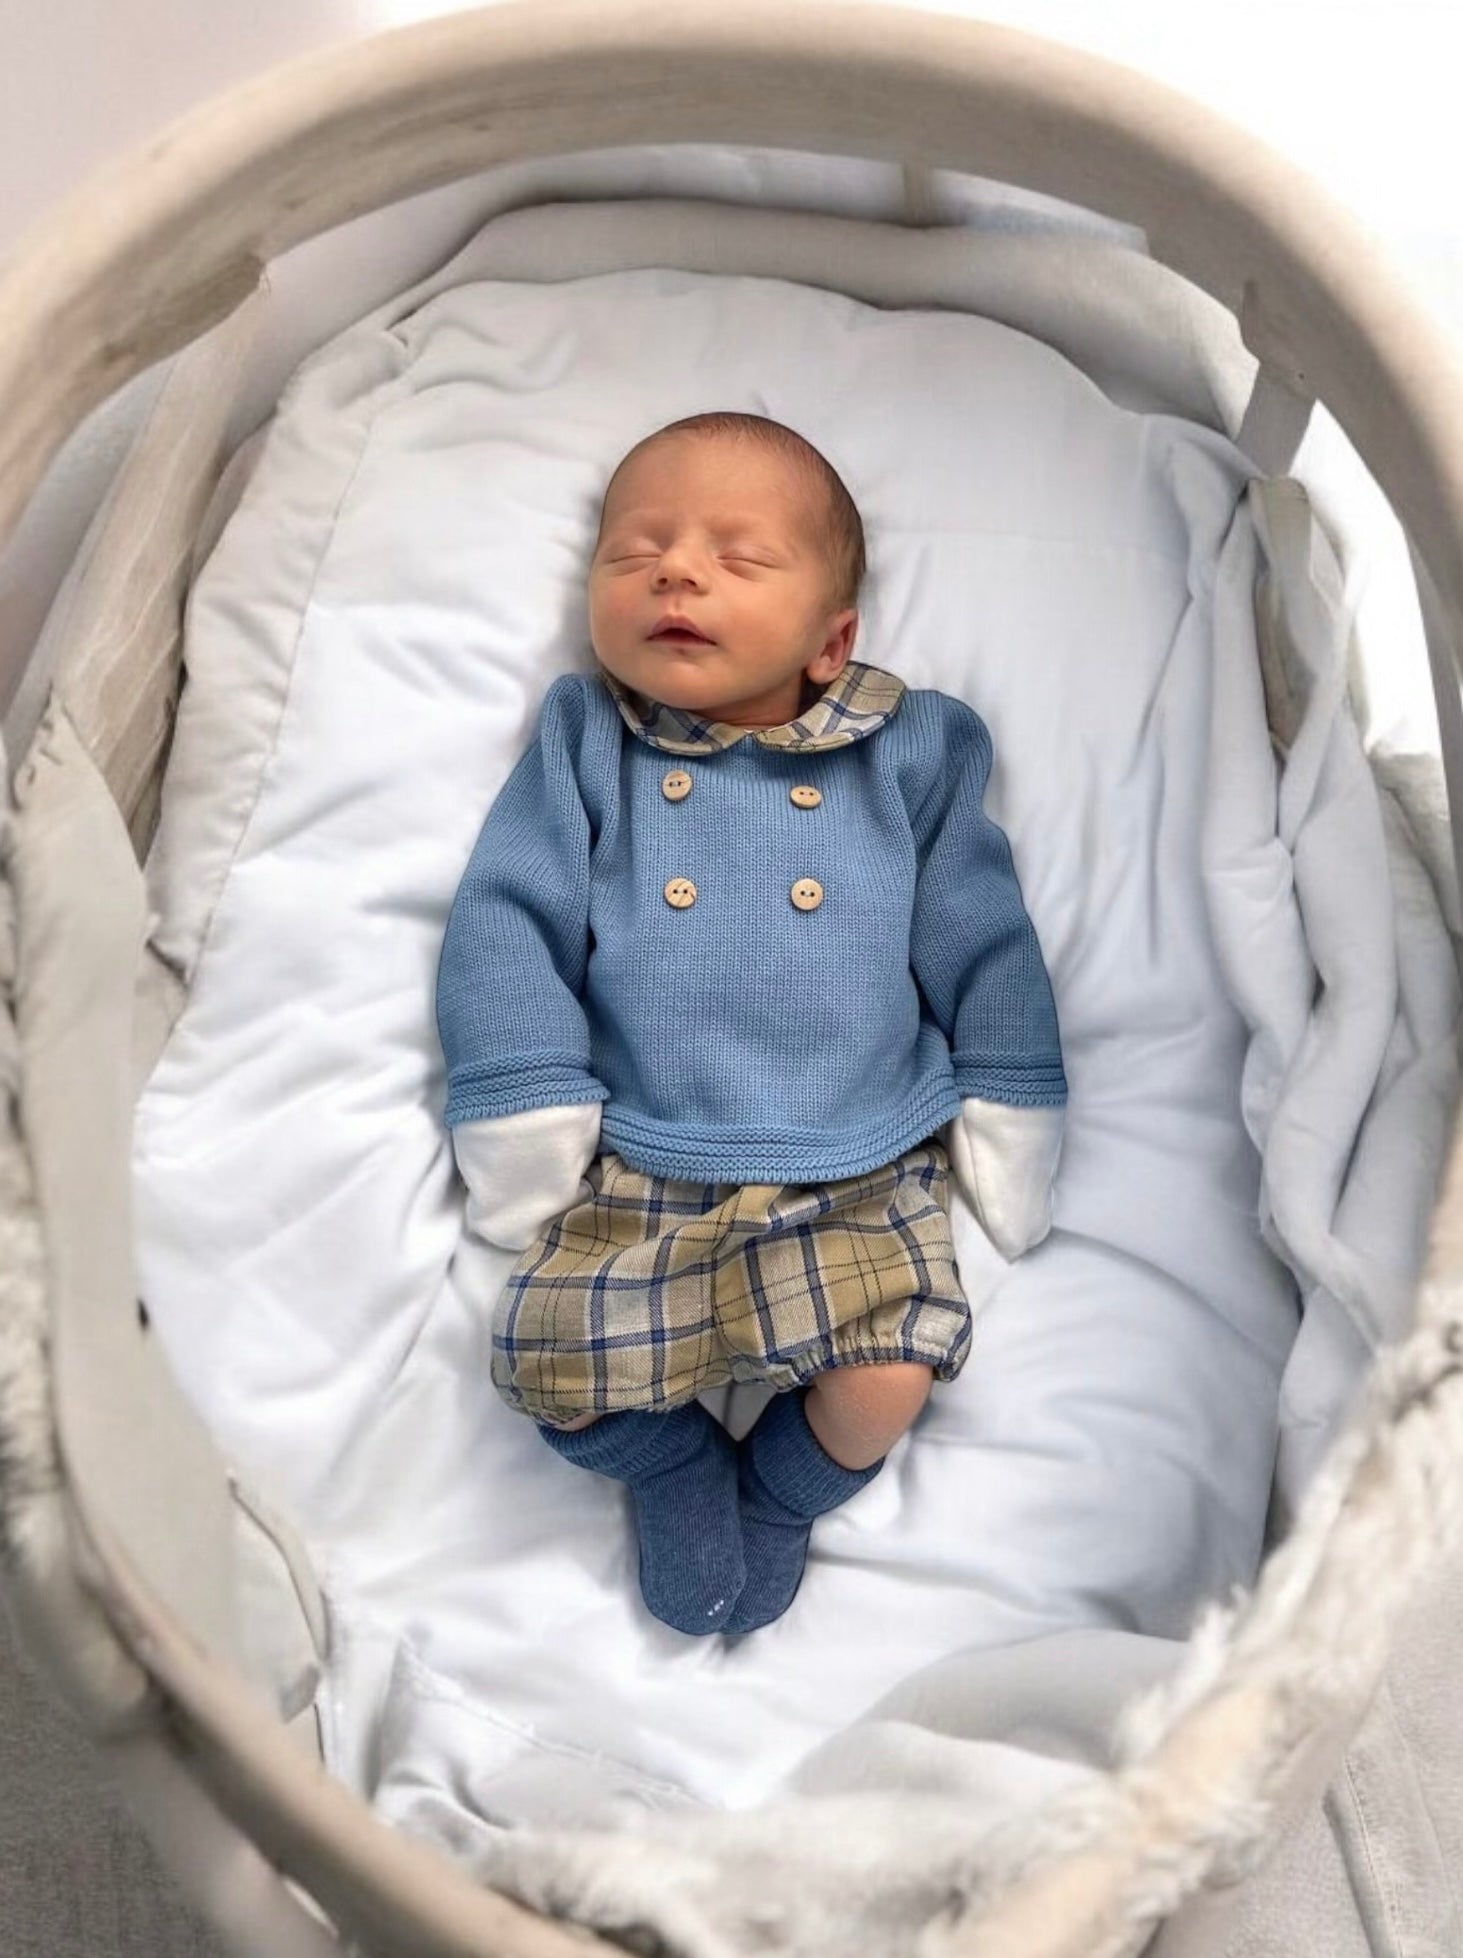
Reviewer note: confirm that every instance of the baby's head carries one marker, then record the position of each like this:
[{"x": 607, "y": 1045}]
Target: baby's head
[{"x": 738, "y": 525}]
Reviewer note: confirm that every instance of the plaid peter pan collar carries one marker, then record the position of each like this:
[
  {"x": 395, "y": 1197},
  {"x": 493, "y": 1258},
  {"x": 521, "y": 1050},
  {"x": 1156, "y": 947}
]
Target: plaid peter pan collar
[{"x": 854, "y": 705}]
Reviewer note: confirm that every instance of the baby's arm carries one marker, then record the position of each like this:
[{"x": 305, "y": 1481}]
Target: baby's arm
[
  {"x": 522, "y": 1100},
  {"x": 975, "y": 953}
]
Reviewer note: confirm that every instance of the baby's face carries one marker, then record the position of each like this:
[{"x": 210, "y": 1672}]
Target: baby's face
[{"x": 720, "y": 533}]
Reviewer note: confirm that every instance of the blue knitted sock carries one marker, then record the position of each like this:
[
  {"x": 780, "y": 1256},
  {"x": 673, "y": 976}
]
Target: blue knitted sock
[
  {"x": 681, "y": 1467},
  {"x": 785, "y": 1478}
]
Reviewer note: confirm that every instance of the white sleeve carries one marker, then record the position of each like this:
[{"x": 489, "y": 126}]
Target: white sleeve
[
  {"x": 1005, "y": 1161},
  {"x": 523, "y": 1170}
]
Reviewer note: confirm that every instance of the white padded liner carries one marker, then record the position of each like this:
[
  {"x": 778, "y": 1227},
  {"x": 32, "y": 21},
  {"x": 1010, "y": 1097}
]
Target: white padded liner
[{"x": 368, "y": 646}]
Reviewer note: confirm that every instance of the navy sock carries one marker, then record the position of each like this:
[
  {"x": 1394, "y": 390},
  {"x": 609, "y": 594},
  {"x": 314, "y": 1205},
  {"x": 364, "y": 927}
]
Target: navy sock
[
  {"x": 681, "y": 1468},
  {"x": 785, "y": 1478}
]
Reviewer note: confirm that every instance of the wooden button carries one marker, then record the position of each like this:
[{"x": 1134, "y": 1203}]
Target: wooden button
[
  {"x": 676, "y": 786},
  {"x": 805, "y": 797},
  {"x": 807, "y": 894},
  {"x": 680, "y": 892}
]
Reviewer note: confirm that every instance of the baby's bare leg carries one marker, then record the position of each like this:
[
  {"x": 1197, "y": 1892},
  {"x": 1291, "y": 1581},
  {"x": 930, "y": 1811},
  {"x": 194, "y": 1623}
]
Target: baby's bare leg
[
  {"x": 859, "y": 1412},
  {"x": 579, "y": 1421}
]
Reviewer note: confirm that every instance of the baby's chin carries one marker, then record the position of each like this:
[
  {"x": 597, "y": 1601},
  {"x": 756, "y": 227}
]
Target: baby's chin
[{"x": 692, "y": 671}]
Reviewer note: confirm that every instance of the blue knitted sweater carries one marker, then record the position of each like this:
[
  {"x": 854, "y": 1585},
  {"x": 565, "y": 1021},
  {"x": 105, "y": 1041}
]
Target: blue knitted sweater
[{"x": 776, "y": 955}]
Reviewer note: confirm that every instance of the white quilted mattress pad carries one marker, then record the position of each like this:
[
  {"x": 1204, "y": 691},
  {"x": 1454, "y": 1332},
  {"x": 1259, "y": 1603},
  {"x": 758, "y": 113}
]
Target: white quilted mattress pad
[{"x": 367, "y": 646}]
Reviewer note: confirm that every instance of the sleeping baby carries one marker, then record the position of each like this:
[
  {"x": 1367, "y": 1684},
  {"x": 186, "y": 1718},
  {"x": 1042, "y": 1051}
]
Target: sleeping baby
[{"x": 737, "y": 972}]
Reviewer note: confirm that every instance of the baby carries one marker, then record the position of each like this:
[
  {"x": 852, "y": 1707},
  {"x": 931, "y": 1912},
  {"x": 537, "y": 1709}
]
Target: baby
[{"x": 737, "y": 971}]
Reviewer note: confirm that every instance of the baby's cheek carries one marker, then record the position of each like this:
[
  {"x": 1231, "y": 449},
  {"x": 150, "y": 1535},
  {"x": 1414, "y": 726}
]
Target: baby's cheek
[{"x": 608, "y": 616}]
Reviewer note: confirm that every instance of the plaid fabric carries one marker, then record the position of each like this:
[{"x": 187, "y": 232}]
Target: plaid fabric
[
  {"x": 653, "y": 1289},
  {"x": 849, "y": 708}
]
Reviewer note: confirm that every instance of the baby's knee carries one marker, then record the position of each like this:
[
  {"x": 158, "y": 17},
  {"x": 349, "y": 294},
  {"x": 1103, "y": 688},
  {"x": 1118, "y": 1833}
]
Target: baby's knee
[
  {"x": 897, "y": 1389},
  {"x": 868, "y": 1408}
]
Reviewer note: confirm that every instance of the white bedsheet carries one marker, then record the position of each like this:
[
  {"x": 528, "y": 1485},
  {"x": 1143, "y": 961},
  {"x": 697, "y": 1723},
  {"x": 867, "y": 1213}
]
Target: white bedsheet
[{"x": 367, "y": 649}]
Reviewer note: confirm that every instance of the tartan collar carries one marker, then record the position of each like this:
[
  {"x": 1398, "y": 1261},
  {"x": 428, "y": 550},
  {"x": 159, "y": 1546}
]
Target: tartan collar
[{"x": 854, "y": 705}]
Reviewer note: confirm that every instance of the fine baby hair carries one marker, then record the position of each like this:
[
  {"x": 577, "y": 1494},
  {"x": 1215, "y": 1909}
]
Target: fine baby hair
[{"x": 834, "y": 512}]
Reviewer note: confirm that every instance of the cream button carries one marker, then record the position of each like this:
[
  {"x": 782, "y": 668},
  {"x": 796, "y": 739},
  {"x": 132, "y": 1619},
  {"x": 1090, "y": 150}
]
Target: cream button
[
  {"x": 676, "y": 786},
  {"x": 680, "y": 892},
  {"x": 805, "y": 797},
  {"x": 807, "y": 894}
]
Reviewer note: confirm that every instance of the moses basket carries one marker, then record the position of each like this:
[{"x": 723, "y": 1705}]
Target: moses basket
[{"x": 1294, "y": 1784}]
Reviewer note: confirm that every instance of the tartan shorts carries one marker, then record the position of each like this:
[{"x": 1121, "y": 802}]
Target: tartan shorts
[{"x": 653, "y": 1290}]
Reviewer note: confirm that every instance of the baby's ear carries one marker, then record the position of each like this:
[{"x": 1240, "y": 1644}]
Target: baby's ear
[{"x": 842, "y": 631}]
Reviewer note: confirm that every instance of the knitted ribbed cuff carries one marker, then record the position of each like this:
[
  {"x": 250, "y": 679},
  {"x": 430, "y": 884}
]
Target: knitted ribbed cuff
[
  {"x": 784, "y": 1461},
  {"x": 637, "y": 1442}
]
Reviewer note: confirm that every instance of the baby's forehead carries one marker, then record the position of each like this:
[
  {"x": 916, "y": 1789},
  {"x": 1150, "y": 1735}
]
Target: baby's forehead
[{"x": 655, "y": 491}]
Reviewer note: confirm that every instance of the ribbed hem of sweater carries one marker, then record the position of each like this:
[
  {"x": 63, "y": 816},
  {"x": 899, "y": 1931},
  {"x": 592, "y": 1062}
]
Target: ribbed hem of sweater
[
  {"x": 1019, "y": 1084},
  {"x": 695, "y": 1154},
  {"x": 476, "y": 1094}
]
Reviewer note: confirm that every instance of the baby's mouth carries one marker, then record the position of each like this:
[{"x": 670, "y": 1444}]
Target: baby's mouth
[{"x": 679, "y": 632}]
